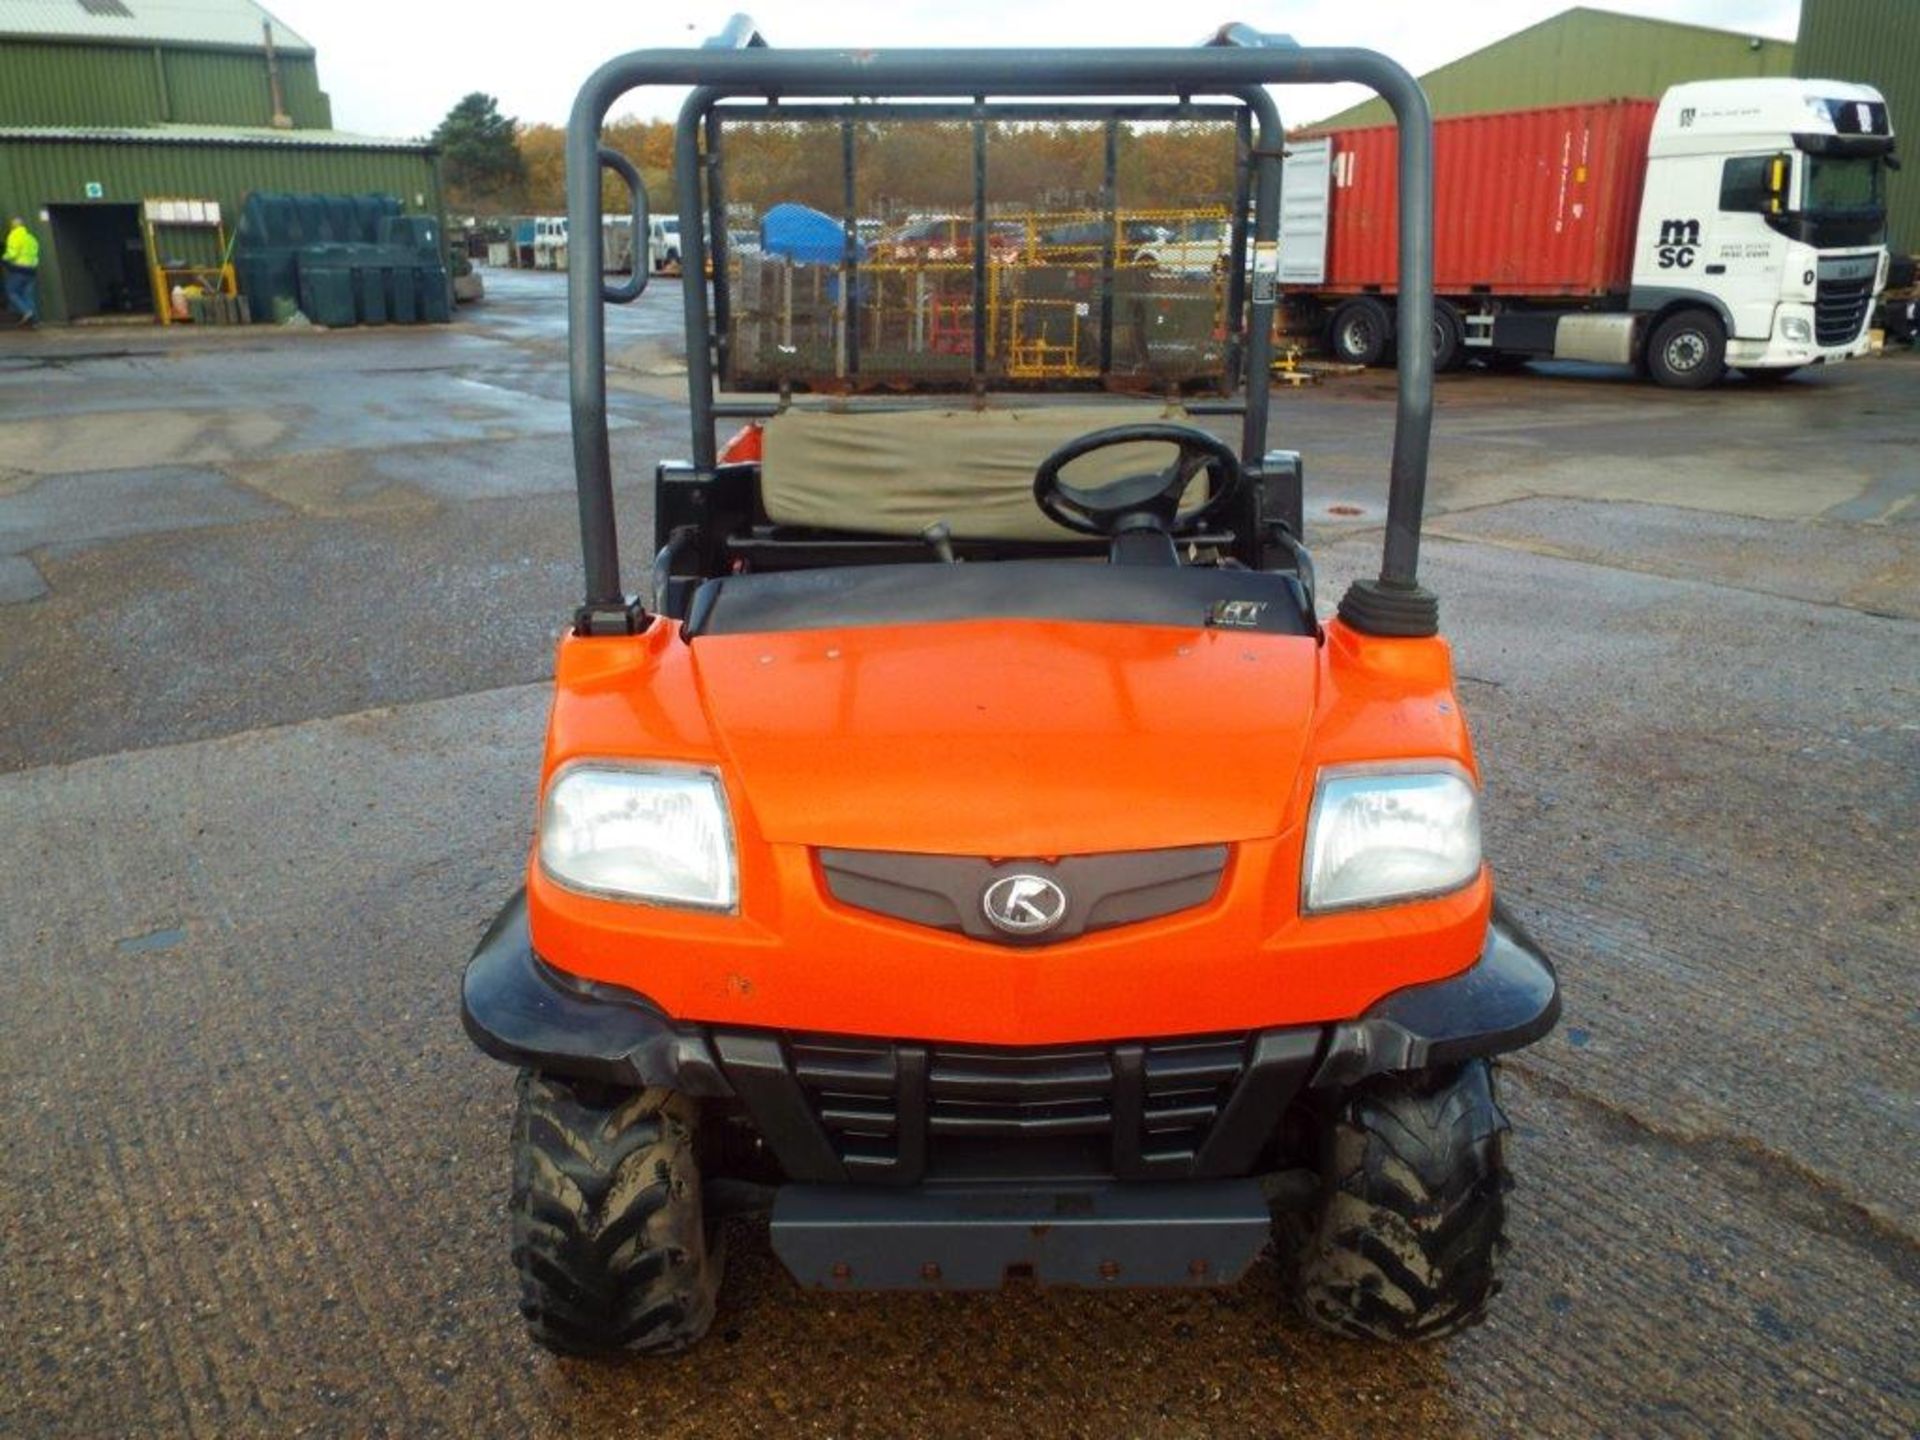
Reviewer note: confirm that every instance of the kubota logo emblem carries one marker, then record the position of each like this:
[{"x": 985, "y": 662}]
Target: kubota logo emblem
[{"x": 1024, "y": 904}]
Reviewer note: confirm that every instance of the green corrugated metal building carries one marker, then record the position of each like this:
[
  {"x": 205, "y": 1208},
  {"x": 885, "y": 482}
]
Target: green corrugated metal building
[
  {"x": 1877, "y": 43},
  {"x": 1587, "y": 54},
  {"x": 105, "y": 104}
]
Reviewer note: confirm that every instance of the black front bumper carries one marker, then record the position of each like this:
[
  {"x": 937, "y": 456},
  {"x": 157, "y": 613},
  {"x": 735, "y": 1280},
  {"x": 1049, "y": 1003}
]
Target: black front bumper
[
  {"x": 1505, "y": 1000},
  {"x": 528, "y": 1014},
  {"x": 1105, "y": 1164},
  {"x": 972, "y": 1237},
  {"x": 525, "y": 1013}
]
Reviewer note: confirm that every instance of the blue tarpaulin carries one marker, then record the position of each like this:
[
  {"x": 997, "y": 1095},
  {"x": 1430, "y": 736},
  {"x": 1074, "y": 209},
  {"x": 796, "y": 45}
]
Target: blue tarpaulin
[{"x": 805, "y": 236}]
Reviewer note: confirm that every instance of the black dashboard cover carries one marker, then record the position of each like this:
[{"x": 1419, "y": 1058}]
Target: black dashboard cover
[{"x": 1065, "y": 590}]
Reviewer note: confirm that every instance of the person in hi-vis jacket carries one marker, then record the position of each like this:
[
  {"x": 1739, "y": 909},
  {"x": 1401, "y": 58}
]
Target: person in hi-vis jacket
[{"x": 22, "y": 259}]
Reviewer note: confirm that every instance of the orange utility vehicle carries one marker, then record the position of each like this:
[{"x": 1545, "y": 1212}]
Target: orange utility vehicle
[{"x": 980, "y": 852}]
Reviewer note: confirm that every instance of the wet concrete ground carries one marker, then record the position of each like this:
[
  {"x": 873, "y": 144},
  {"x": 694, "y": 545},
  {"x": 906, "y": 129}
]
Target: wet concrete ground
[{"x": 274, "y": 614}]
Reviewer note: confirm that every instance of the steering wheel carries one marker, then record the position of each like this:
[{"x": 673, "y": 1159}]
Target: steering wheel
[{"x": 1139, "y": 502}]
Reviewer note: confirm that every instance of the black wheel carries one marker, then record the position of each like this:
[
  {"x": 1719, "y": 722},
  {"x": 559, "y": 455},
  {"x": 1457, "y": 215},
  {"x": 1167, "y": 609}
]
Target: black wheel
[
  {"x": 1406, "y": 1240},
  {"x": 1688, "y": 350},
  {"x": 1361, "y": 332},
  {"x": 1772, "y": 376},
  {"x": 608, "y": 1234},
  {"x": 1449, "y": 337}
]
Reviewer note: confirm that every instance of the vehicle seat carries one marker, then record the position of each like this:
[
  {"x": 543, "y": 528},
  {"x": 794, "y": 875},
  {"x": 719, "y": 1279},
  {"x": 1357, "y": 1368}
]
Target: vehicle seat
[{"x": 895, "y": 472}]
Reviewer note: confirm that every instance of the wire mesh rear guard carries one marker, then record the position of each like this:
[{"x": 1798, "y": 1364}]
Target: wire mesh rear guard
[
  {"x": 835, "y": 1109},
  {"x": 887, "y": 246}
]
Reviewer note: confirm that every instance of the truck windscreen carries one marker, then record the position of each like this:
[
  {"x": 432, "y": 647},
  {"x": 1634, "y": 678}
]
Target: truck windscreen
[
  {"x": 1843, "y": 186},
  {"x": 1842, "y": 202}
]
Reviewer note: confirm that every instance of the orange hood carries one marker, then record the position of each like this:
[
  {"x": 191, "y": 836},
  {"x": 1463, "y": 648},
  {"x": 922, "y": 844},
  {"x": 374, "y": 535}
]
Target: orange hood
[{"x": 1010, "y": 737}]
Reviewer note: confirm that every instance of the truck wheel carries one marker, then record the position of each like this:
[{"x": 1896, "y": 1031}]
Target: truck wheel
[
  {"x": 1406, "y": 1240},
  {"x": 1449, "y": 337},
  {"x": 1688, "y": 350},
  {"x": 1361, "y": 333},
  {"x": 607, "y": 1226}
]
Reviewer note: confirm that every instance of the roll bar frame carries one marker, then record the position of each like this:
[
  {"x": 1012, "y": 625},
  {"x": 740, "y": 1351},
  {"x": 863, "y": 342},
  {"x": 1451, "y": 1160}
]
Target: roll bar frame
[{"x": 1236, "y": 62}]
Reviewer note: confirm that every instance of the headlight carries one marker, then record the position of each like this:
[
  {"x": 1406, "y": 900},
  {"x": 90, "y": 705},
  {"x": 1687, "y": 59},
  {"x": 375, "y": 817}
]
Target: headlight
[
  {"x": 640, "y": 833},
  {"x": 1797, "y": 329},
  {"x": 1380, "y": 833}
]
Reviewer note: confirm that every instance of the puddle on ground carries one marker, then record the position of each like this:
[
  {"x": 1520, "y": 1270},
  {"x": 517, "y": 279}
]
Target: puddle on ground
[{"x": 152, "y": 942}]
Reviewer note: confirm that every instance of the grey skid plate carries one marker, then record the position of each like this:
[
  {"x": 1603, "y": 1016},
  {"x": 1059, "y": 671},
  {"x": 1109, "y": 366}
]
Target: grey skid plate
[{"x": 848, "y": 1237}]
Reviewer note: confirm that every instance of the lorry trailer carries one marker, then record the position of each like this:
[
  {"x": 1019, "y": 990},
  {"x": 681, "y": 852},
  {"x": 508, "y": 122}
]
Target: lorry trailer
[{"x": 1733, "y": 223}]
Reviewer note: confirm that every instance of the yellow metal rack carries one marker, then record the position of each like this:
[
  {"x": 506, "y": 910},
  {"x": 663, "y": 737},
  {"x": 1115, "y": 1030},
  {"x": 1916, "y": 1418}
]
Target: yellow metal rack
[{"x": 159, "y": 215}]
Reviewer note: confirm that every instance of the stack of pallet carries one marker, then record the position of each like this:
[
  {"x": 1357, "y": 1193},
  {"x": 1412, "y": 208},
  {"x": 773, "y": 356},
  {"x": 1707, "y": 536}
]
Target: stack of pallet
[{"x": 219, "y": 310}]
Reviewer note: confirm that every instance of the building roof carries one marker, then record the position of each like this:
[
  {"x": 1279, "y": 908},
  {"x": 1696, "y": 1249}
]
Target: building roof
[
  {"x": 204, "y": 135},
  {"x": 221, "y": 23},
  {"x": 1583, "y": 53}
]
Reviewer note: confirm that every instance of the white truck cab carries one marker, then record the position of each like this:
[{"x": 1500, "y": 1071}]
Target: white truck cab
[
  {"x": 663, "y": 242},
  {"x": 1762, "y": 232},
  {"x": 550, "y": 242}
]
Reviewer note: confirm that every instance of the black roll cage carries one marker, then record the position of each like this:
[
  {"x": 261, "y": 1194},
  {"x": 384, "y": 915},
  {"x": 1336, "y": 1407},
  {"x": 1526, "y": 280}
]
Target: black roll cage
[{"x": 1236, "y": 63}]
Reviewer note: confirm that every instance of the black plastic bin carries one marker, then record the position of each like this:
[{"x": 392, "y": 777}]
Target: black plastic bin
[
  {"x": 370, "y": 291},
  {"x": 436, "y": 306},
  {"x": 403, "y": 302},
  {"x": 267, "y": 275},
  {"x": 326, "y": 285}
]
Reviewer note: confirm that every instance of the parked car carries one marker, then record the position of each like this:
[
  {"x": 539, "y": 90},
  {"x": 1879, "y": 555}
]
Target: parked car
[
  {"x": 1091, "y": 236},
  {"x": 1190, "y": 247},
  {"x": 938, "y": 239}
]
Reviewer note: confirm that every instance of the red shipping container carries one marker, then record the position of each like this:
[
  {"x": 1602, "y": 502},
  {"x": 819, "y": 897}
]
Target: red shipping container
[{"x": 1526, "y": 202}]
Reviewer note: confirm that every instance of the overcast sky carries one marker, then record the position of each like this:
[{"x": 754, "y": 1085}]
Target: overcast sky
[{"x": 396, "y": 68}]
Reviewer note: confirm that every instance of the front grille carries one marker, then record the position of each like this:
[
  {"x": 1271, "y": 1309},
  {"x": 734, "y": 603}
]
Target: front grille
[
  {"x": 948, "y": 892},
  {"x": 1018, "y": 1095},
  {"x": 1186, "y": 1086},
  {"x": 834, "y": 1107},
  {"x": 1840, "y": 309},
  {"x": 852, "y": 1087}
]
